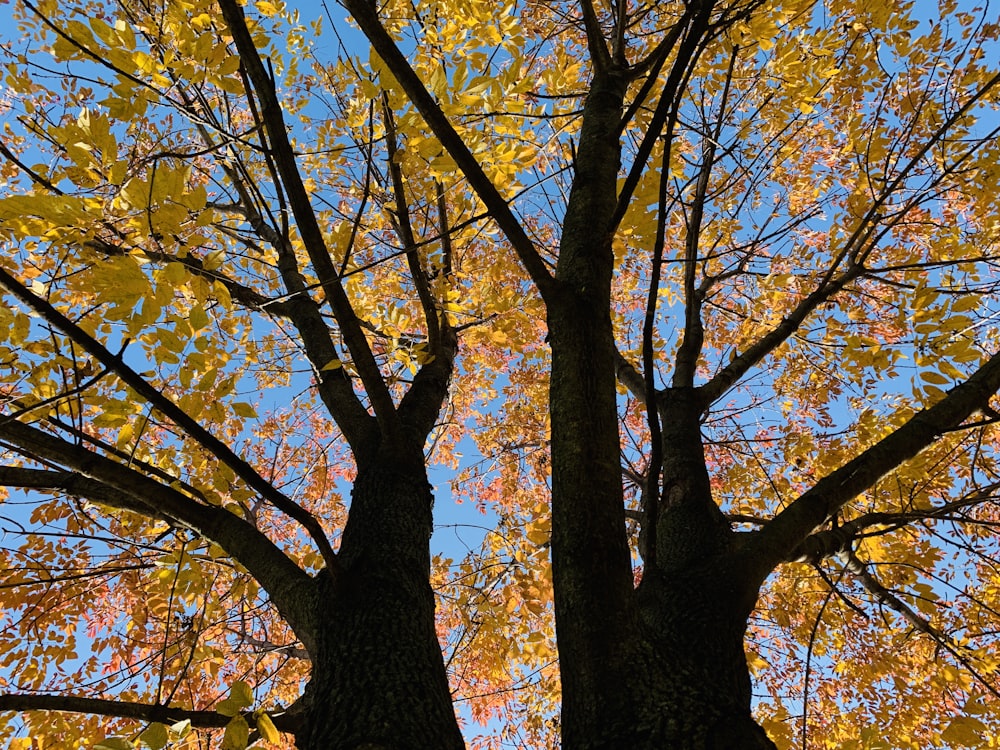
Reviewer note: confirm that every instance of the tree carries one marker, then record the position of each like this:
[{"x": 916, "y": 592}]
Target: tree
[{"x": 748, "y": 223}]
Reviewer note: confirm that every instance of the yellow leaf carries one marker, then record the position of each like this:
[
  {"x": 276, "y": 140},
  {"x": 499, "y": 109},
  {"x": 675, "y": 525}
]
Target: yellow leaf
[
  {"x": 964, "y": 731},
  {"x": 333, "y": 364},
  {"x": 934, "y": 377},
  {"x": 197, "y": 317},
  {"x": 114, "y": 743},
  {"x": 237, "y": 734},
  {"x": 155, "y": 736},
  {"x": 241, "y": 693},
  {"x": 267, "y": 729},
  {"x": 266, "y": 9},
  {"x": 243, "y": 409}
]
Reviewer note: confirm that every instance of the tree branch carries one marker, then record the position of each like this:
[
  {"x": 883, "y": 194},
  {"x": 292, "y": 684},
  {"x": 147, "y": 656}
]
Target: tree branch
[
  {"x": 404, "y": 228},
  {"x": 283, "y": 721},
  {"x": 840, "y": 538},
  {"x": 178, "y": 416},
  {"x": 630, "y": 377},
  {"x": 689, "y": 351},
  {"x": 690, "y": 31},
  {"x": 305, "y": 219},
  {"x": 596, "y": 43},
  {"x": 421, "y": 405},
  {"x": 853, "y": 250},
  {"x": 777, "y": 540},
  {"x": 366, "y": 15},
  {"x": 738, "y": 367},
  {"x": 109, "y": 483}
]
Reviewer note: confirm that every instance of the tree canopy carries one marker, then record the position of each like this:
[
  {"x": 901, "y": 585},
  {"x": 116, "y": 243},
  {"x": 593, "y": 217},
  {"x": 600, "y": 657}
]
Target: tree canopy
[{"x": 695, "y": 301}]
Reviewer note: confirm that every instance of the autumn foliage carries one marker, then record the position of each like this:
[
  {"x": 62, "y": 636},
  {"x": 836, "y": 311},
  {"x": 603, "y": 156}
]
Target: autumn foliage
[{"x": 258, "y": 258}]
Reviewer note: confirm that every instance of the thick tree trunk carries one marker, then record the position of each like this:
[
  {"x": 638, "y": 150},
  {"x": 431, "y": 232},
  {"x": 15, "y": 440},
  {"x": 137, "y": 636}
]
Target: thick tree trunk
[
  {"x": 694, "y": 602},
  {"x": 698, "y": 686},
  {"x": 591, "y": 567},
  {"x": 378, "y": 678}
]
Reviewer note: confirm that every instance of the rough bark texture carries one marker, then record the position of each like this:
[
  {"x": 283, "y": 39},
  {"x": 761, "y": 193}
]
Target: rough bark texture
[
  {"x": 378, "y": 677},
  {"x": 592, "y": 581},
  {"x": 694, "y": 623}
]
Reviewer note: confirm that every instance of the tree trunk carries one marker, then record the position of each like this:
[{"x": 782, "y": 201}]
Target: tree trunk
[
  {"x": 694, "y": 602},
  {"x": 698, "y": 687},
  {"x": 378, "y": 678},
  {"x": 590, "y": 558}
]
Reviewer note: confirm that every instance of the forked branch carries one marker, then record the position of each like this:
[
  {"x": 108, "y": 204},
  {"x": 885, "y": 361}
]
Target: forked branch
[
  {"x": 366, "y": 15},
  {"x": 306, "y": 221}
]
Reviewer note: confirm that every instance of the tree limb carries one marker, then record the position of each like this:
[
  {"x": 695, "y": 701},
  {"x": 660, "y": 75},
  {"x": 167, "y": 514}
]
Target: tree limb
[
  {"x": 305, "y": 218},
  {"x": 689, "y": 351},
  {"x": 283, "y": 721},
  {"x": 600, "y": 57},
  {"x": 840, "y": 538},
  {"x": 777, "y": 540},
  {"x": 629, "y": 376},
  {"x": 366, "y": 15},
  {"x": 178, "y": 416},
  {"x": 691, "y": 32},
  {"x": 860, "y": 243},
  {"x": 404, "y": 229},
  {"x": 110, "y": 483}
]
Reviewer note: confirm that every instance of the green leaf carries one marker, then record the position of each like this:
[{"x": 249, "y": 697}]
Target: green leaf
[
  {"x": 237, "y": 734},
  {"x": 155, "y": 736},
  {"x": 227, "y": 707}
]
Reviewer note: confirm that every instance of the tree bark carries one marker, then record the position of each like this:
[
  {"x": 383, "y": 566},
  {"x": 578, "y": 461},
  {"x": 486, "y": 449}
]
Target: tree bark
[
  {"x": 591, "y": 568},
  {"x": 378, "y": 680},
  {"x": 697, "y": 687}
]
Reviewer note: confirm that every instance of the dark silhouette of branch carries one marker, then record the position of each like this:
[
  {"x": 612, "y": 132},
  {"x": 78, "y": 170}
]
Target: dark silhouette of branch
[
  {"x": 839, "y": 539},
  {"x": 109, "y": 483},
  {"x": 919, "y": 623},
  {"x": 305, "y": 218},
  {"x": 284, "y": 721},
  {"x": 366, "y": 15}
]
